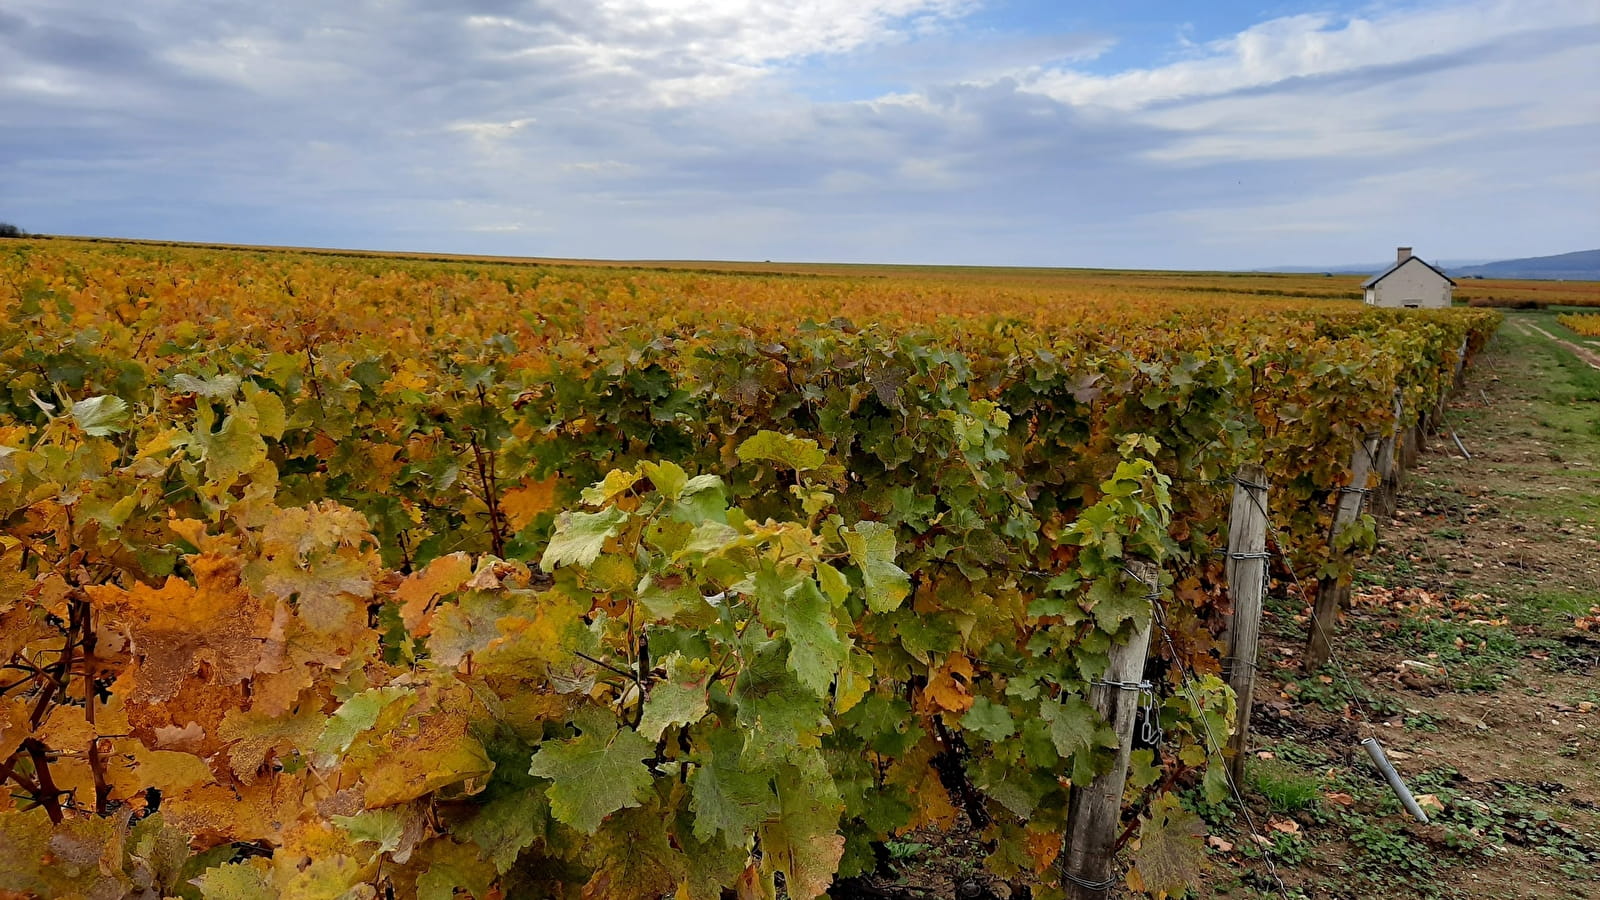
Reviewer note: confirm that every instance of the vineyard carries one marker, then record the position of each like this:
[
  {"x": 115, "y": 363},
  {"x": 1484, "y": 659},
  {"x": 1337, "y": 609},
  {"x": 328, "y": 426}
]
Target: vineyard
[
  {"x": 1586, "y": 325},
  {"x": 341, "y": 576}
]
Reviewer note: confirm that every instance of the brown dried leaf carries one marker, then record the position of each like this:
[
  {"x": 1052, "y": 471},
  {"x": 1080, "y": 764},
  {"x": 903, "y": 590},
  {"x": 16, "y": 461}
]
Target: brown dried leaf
[
  {"x": 1170, "y": 852},
  {"x": 179, "y": 626}
]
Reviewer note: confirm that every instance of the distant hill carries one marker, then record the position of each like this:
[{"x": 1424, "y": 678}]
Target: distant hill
[
  {"x": 1451, "y": 265},
  {"x": 1582, "y": 265}
]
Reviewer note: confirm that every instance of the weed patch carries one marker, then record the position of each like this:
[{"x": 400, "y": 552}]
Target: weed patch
[{"x": 1286, "y": 790}]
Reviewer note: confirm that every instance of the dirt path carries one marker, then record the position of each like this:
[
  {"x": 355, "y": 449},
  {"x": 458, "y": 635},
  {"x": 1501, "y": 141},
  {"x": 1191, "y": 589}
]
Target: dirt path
[
  {"x": 1583, "y": 353},
  {"x": 1474, "y": 650}
]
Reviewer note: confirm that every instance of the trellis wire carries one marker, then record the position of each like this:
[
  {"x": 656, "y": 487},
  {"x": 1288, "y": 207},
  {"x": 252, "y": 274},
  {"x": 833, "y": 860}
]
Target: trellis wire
[{"x": 1212, "y": 746}]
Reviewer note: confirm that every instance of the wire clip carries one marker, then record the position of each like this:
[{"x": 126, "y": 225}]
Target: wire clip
[{"x": 1150, "y": 731}]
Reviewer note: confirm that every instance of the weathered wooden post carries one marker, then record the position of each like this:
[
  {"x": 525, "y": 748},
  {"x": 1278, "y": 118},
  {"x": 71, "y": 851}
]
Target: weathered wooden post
[
  {"x": 1095, "y": 811},
  {"x": 1247, "y": 585},
  {"x": 1411, "y": 444},
  {"x": 1333, "y": 594},
  {"x": 1388, "y": 496}
]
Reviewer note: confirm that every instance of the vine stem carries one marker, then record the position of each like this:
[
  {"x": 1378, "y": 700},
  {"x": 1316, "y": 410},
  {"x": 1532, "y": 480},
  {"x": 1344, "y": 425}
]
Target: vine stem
[
  {"x": 97, "y": 763},
  {"x": 8, "y": 771},
  {"x": 605, "y": 665},
  {"x": 1144, "y": 800},
  {"x": 45, "y": 794},
  {"x": 497, "y": 541},
  {"x": 74, "y": 625},
  {"x": 491, "y": 487},
  {"x": 316, "y": 381}
]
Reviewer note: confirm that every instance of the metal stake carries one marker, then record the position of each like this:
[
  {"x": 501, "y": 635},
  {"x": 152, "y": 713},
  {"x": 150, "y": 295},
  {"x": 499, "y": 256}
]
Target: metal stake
[{"x": 1375, "y": 751}]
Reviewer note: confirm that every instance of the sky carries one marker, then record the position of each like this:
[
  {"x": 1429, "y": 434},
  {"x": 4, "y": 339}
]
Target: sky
[{"x": 1223, "y": 134}]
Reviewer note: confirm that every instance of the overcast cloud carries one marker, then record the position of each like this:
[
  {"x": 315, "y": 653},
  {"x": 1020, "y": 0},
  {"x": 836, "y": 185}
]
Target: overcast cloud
[{"x": 854, "y": 130}]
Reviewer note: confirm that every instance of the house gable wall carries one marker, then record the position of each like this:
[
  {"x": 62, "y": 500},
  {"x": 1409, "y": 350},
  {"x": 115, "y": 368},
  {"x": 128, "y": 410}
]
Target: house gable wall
[{"x": 1413, "y": 284}]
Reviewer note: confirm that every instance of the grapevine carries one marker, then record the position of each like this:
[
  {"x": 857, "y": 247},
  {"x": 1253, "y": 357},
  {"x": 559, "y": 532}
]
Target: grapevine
[{"x": 358, "y": 576}]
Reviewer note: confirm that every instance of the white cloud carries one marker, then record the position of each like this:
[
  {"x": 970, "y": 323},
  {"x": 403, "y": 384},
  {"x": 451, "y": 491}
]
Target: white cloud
[
  {"x": 757, "y": 32},
  {"x": 1313, "y": 45},
  {"x": 679, "y": 128},
  {"x": 491, "y": 130},
  {"x": 1391, "y": 82},
  {"x": 1390, "y": 114},
  {"x": 600, "y": 167}
]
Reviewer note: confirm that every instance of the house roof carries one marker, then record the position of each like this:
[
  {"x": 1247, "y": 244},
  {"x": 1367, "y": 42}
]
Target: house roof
[{"x": 1396, "y": 267}]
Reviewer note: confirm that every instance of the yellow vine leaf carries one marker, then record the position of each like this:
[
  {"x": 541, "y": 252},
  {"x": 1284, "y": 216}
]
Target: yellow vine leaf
[
  {"x": 441, "y": 753},
  {"x": 521, "y": 504},
  {"x": 15, "y": 727},
  {"x": 419, "y": 590},
  {"x": 135, "y": 767},
  {"x": 947, "y": 688}
]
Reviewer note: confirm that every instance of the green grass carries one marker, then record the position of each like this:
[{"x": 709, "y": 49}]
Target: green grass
[
  {"x": 1285, "y": 789},
  {"x": 1472, "y": 657},
  {"x": 1550, "y": 608},
  {"x": 1578, "y": 382},
  {"x": 903, "y": 850}
]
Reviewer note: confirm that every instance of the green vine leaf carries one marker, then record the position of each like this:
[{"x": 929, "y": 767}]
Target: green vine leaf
[
  {"x": 872, "y": 549},
  {"x": 674, "y": 703},
  {"x": 799, "y": 454},
  {"x": 989, "y": 720},
  {"x": 580, "y": 537},
  {"x": 595, "y": 774},
  {"x": 729, "y": 798},
  {"x": 1075, "y": 726},
  {"x": 101, "y": 416}
]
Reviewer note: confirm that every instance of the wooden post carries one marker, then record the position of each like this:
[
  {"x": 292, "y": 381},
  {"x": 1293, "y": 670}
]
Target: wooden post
[
  {"x": 1094, "y": 811},
  {"x": 1247, "y": 585},
  {"x": 1410, "y": 442},
  {"x": 1387, "y": 499},
  {"x": 1333, "y": 594}
]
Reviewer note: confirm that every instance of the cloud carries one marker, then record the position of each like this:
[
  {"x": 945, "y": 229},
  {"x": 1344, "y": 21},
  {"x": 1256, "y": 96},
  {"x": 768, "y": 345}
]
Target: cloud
[
  {"x": 895, "y": 130},
  {"x": 1320, "y": 44}
]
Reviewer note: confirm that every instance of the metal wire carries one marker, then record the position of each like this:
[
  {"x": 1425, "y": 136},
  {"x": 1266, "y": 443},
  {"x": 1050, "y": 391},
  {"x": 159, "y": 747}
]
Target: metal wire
[
  {"x": 1212, "y": 745},
  {"x": 1344, "y": 676},
  {"x": 1242, "y": 554},
  {"x": 1111, "y": 881},
  {"x": 1124, "y": 685},
  {"x": 1087, "y": 885}
]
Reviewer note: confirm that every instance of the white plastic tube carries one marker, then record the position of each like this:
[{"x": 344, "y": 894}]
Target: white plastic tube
[{"x": 1375, "y": 751}]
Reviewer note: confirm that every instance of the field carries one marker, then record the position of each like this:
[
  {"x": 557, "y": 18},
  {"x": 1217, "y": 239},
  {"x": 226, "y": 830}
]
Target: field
[
  {"x": 341, "y": 575},
  {"x": 1079, "y": 283}
]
